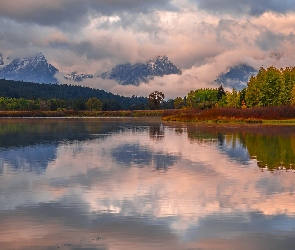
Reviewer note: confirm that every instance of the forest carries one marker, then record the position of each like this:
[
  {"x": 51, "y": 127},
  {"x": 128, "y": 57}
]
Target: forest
[{"x": 18, "y": 95}]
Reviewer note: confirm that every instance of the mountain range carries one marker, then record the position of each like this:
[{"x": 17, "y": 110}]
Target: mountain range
[
  {"x": 133, "y": 74},
  {"x": 37, "y": 69},
  {"x": 29, "y": 69}
]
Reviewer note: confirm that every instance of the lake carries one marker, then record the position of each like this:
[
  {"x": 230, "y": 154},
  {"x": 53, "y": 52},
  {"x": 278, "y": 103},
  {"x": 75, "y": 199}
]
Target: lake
[{"x": 114, "y": 183}]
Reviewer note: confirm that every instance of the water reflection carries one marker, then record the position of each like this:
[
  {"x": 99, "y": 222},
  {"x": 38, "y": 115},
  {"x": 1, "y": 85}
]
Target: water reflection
[
  {"x": 272, "y": 146},
  {"x": 28, "y": 132},
  {"x": 109, "y": 184},
  {"x": 272, "y": 151},
  {"x": 32, "y": 159},
  {"x": 30, "y": 144},
  {"x": 134, "y": 154},
  {"x": 156, "y": 131}
]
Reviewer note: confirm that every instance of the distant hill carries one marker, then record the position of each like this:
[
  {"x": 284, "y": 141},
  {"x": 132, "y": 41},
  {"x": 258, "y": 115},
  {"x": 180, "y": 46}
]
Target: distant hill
[
  {"x": 29, "y": 69},
  {"x": 30, "y": 90},
  {"x": 237, "y": 76}
]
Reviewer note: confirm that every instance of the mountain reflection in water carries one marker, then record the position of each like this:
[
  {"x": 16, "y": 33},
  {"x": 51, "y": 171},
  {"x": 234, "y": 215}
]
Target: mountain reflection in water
[{"x": 144, "y": 184}]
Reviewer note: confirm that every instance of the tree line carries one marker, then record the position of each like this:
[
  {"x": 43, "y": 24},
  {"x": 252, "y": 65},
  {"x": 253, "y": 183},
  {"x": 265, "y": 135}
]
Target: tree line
[
  {"x": 53, "y": 104},
  {"x": 20, "y": 95}
]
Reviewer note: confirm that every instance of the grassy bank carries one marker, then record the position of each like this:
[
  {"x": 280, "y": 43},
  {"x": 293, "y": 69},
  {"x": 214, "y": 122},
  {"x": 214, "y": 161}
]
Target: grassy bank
[
  {"x": 266, "y": 115},
  {"x": 73, "y": 113}
]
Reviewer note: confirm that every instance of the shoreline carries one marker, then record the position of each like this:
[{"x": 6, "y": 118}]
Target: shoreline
[
  {"x": 80, "y": 114},
  {"x": 210, "y": 117},
  {"x": 236, "y": 121}
]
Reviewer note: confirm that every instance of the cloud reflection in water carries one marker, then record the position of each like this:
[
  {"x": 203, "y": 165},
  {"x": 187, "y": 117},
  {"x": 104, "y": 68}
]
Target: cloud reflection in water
[{"x": 108, "y": 187}]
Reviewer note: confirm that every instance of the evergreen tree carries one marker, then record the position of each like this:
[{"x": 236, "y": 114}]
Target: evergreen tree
[{"x": 220, "y": 93}]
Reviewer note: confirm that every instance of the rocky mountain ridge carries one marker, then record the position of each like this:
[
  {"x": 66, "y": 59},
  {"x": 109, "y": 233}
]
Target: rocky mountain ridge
[
  {"x": 132, "y": 74},
  {"x": 29, "y": 69}
]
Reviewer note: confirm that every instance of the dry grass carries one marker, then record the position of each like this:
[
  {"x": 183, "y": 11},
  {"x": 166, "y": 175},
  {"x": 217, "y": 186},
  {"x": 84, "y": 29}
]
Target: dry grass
[{"x": 220, "y": 115}]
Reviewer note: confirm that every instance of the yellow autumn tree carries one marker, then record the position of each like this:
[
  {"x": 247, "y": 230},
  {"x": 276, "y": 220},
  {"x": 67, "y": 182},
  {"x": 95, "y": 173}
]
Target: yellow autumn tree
[{"x": 293, "y": 96}]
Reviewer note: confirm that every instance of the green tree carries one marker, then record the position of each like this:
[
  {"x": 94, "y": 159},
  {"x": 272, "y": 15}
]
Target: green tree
[
  {"x": 292, "y": 102},
  {"x": 222, "y": 102},
  {"x": 79, "y": 104},
  {"x": 191, "y": 101},
  {"x": 243, "y": 97},
  {"x": 202, "y": 98},
  {"x": 233, "y": 99},
  {"x": 169, "y": 104},
  {"x": 254, "y": 85},
  {"x": 94, "y": 104},
  {"x": 287, "y": 83},
  {"x": 44, "y": 105},
  {"x": 110, "y": 104},
  {"x": 220, "y": 93},
  {"x": 271, "y": 88},
  {"x": 178, "y": 103}
]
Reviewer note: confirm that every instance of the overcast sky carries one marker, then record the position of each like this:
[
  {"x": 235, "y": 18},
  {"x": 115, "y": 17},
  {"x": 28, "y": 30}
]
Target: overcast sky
[{"x": 202, "y": 37}]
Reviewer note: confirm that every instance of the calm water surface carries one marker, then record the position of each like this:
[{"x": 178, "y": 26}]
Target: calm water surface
[{"x": 144, "y": 184}]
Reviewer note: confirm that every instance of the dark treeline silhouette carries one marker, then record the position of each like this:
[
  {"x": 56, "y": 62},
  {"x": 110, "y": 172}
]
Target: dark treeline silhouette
[{"x": 71, "y": 96}]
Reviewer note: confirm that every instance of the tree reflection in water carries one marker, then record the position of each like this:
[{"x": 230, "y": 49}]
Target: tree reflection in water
[
  {"x": 272, "y": 146},
  {"x": 156, "y": 132}
]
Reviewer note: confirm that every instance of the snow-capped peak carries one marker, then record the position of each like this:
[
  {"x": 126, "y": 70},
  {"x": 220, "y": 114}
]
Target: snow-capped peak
[
  {"x": 133, "y": 74},
  {"x": 32, "y": 69}
]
